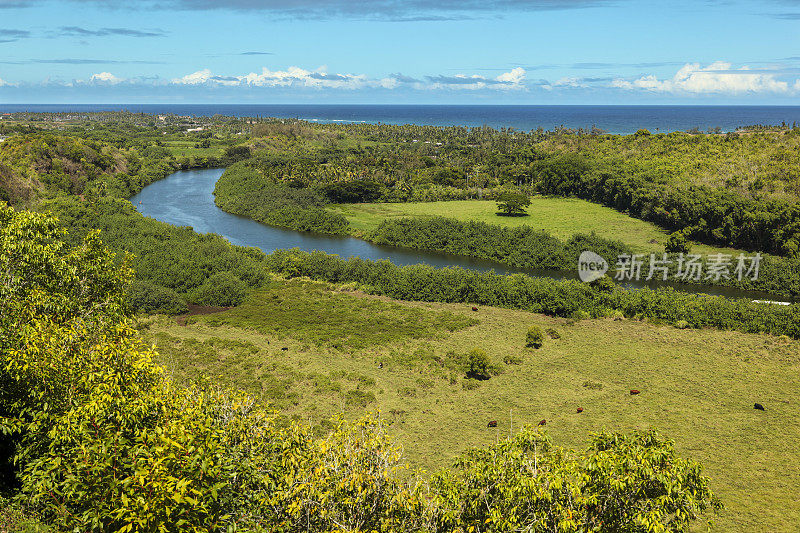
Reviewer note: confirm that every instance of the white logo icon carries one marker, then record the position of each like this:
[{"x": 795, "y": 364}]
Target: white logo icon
[{"x": 591, "y": 266}]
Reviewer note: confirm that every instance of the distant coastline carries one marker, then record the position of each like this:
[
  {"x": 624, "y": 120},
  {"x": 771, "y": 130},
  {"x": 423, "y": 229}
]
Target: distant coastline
[{"x": 612, "y": 119}]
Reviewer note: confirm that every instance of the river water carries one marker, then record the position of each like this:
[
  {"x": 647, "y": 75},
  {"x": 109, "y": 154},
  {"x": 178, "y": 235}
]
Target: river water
[{"x": 186, "y": 198}]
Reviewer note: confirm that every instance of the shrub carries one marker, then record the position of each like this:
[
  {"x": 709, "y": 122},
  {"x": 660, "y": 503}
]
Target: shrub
[
  {"x": 145, "y": 297},
  {"x": 479, "y": 366},
  {"x": 359, "y": 398},
  {"x": 351, "y": 192},
  {"x": 534, "y": 338},
  {"x": 603, "y": 284},
  {"x": 592, "y": 385},
  {"x": 610, "y": 486},
  {"x": 681, "y": 324},
  {"x": 470, "y": 384},
  {"x": 242, "y": 190},
  {"x": 222, "y": 289},
  {"x": 580, "y": 314},
  {"x": 553, "y": 333},
  {"x": 677, "y": 243}
]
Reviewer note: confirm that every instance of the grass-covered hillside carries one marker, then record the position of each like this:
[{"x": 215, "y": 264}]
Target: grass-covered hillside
[
  {"x": 298, "y": 346},
  {"x": 96, "y": 435}
]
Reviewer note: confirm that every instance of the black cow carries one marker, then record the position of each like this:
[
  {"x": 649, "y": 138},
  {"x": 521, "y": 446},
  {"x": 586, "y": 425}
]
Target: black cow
[{"x": 758, "y": 406}]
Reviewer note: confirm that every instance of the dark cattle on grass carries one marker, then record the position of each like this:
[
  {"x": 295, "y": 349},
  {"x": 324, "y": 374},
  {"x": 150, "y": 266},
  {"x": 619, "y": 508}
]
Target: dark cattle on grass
[
  {"x": 634, "y": 392},
  {"x": 474, "y": 308},
  {"x": 542, "y": 422},
  {"x": 580, "y": 409},
  {"x": 492, "y": 424},
  {"x": 758, "y": 406}
]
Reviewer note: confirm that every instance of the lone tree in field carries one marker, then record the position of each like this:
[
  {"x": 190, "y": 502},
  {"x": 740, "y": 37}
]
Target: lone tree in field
[{"x": 513, "y": 204}]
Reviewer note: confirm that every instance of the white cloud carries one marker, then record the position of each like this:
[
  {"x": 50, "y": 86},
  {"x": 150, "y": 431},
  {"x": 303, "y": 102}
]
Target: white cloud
[
  {"x": 571, "y": 82},
  {"x": 389, "y": 83},
  {"x": 195, "y": 78},
  {"x": 515, "y": 76},
  {"x": 105, "y": 77},
  {"x": 320, "y": 78},
  {"x": 293, "y": 76},
  {"x": 718, "y": 77},
  {"x": 2, "y": 82},
  {"x": 514, "y": 79},
  {"x": 307, "y": 78}
]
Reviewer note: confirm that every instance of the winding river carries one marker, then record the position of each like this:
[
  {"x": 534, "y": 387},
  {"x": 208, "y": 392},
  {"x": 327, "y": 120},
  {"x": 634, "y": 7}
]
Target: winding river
[{"x": 186, "y": 198}]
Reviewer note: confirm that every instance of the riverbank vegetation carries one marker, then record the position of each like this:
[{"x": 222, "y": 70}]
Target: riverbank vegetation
[
  {"x": 432, "y": 172},
  {"x": 562, "y": 298}
]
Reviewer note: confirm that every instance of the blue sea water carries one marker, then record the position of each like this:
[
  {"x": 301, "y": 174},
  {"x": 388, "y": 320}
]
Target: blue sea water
[{"x": 613, "y": 119}]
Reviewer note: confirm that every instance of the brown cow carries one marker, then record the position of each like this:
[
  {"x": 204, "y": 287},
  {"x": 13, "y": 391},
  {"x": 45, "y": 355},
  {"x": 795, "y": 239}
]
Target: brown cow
[
  {"x": 634, "y": 392},
  {"x": 542, "y": 422},
  {"x": 474, "y": 308},
  {"x": 492, "y": 424},
  {"x": 580, "y": 409}
]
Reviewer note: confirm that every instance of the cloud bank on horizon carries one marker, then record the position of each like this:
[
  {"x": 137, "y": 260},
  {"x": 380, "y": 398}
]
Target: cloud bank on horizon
[{"x": 379, "y": 51}]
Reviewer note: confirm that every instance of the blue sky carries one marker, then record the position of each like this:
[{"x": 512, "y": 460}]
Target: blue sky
[{"x": 391, "y": 51}]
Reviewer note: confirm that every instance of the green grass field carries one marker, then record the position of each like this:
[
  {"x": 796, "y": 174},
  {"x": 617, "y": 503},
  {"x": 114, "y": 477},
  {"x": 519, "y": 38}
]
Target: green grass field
[
  {"x": 562, "y": 217},
  {"x": 698, "y": 386},
  {"x": 187, "y": 148}
]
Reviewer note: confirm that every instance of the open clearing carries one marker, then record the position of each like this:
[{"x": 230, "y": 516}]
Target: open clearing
[
  {"x": 561, "y": 217},
  {"x": 698, "y": 386}
]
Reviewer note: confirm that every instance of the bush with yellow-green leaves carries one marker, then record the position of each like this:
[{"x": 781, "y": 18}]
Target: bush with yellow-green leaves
[{"x": 103, "y": 441}]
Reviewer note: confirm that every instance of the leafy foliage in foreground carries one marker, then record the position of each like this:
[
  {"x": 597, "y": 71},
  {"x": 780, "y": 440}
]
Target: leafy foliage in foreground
[{"x": 103, "y": 442}]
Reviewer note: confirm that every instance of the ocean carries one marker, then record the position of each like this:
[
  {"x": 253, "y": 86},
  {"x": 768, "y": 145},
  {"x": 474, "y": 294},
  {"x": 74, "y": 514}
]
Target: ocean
[{"x": 613, "y": 119}]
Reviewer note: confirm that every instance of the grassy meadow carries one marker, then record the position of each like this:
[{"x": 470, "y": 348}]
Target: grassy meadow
[
  {"x": 188, "y": 148},
  {"x": 561, "y": 217},
  {"x": 313, "y": 350}
]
